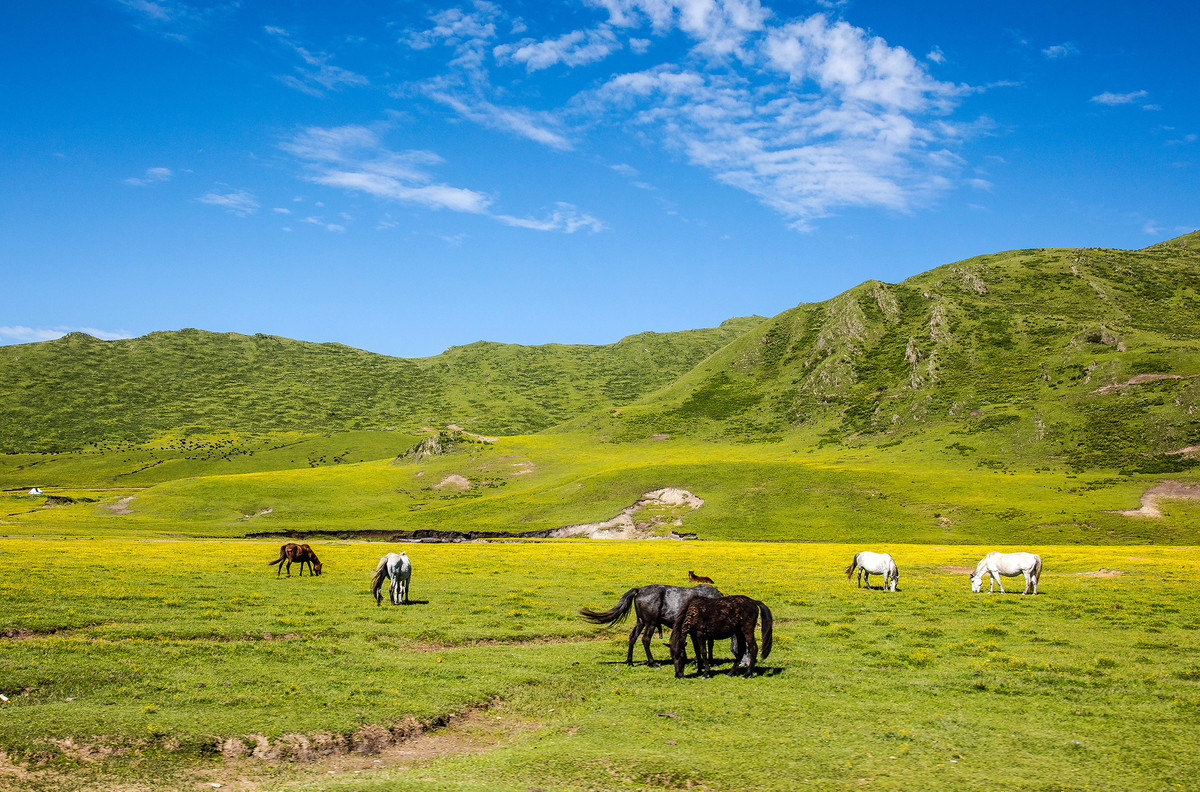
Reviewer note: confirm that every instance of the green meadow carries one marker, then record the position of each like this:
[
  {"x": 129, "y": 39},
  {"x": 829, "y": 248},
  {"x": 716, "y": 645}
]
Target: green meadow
[
  {"x": 1044, "y": 400},
  {"x": 141, "y": 659}
]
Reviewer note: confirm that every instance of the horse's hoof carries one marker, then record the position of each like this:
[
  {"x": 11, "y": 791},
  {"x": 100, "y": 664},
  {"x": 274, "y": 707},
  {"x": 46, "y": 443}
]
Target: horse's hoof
[{"x": 652, "y": 664}]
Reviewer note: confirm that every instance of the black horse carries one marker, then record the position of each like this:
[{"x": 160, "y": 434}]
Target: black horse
[
  {"x": 656, "y": 606},
  {"x": 708, "y": 619}
]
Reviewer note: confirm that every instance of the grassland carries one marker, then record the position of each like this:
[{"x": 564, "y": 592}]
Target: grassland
[
  {"x": 922, "y": 491},
  {"x": 143, "y": 666},
  {"x": 1021, "y": 399}
]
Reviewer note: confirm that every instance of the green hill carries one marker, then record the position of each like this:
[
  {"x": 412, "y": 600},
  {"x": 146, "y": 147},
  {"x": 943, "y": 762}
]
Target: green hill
[
  {"x": 68, "y": 393},
  {"x": 1088, "y": 357},
  {"x": 1035, "y": 396}
]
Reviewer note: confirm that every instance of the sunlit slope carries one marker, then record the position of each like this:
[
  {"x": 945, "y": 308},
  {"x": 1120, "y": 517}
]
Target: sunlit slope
[
  {"x": 65, "y": 394},
  {"x": 778, "y": 491},
  {"x": 1025, "y": 356}
]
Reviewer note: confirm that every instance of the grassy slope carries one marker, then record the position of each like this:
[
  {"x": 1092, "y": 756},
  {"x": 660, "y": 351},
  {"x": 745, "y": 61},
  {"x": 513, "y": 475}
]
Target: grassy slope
[
  {"x": 963, "y": 405},
  {"x": 69, "y": 393},
  {"x": 1003, "y": 355}
]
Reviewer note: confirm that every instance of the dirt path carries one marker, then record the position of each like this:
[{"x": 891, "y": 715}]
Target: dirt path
[{"x": 1166, "y": 490}]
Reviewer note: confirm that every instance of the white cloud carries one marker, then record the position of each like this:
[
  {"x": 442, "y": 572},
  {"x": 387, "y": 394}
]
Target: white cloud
[
  {"x": 316, "y": 75},
  {"x": 1059, "y": 51},
  {"x": 152, "y": 176},
  {"x": 720, "y": 27},
  {"x": 468, "y": 34},
  {"x": 320, "y": 222},
  {"x": 564, "y": 217},
  {"x": 571, "y": 49},
  {"x": 18, "y": 334},
  {"x": 238, "y": 202},
  {"x": 807, "y": 115},
  {"x": 936, "y": 55},
  {"x": 354, "y": 158},
  {"x": 1113, "y": 99},
  {"x": 538, "y": 127},
  {"x": 176, "y": 19},
  {"x": 857, "y": 142}
]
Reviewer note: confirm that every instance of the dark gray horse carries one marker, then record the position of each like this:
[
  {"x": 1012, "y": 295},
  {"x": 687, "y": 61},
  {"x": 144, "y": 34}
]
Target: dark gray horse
[{"x": 656, "y": 606}]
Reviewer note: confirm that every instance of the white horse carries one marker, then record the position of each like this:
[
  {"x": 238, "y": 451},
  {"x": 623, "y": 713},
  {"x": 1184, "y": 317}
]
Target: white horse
[
  {"x": 397, "y": 569},
  {"x": 868, "y": 563},
  {"x": 1009, "y": 565}
]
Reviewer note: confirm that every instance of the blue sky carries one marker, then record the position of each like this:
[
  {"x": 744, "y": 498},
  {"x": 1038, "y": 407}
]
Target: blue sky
[{"x": 406, "y": 176}]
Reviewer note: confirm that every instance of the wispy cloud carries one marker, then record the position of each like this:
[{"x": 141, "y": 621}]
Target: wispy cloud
[
  {"x": 571, "y": 49},
  {"x": 354, "y": 158},
  {"x": 1059, "y": 51},
  {"x": 861, "y": 139},
  {"x": 316, "y": 75},
  {"x": 1113, "y": 99},
  {"x": 176, "y": 19},
  {"x": 238, "y": 202},
  {"x": 18, "y": 334},
  {"x": 807, "y": 115},
  {"x": 151, "y": 176},
  {"x": 540, "y": 127},
  {"x": 564, "y": 217},
  {"x": 719, "y": 27}
]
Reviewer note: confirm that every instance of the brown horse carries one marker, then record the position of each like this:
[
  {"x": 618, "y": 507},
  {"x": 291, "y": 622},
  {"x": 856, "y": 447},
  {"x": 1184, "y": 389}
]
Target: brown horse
[
  {"x": 694, "y": 578},
  {"x": 294, "y": 553},
  {"x": 706, "y": 619}
]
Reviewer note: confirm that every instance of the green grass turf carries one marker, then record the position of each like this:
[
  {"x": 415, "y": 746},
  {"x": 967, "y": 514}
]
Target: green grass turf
[{"x": 161, "y": 650}]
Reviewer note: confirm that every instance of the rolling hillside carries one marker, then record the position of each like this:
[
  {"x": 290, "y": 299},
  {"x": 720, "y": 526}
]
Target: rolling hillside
[
  {"x": 64, "y": 394},
  {"x": 1088, "y": 357},
  {"x": 1032, "y": 396}
]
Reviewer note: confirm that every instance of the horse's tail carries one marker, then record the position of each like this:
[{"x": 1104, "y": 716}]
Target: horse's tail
[
  {"x": 276, "y": 562},
  {"x": 614, "y": 615},
  {"x": 377, "y": 578},
  {"x": 853, "y": 565},
  {"x": 1037, "y": 568},
  {"x": 767, "y": 622}
]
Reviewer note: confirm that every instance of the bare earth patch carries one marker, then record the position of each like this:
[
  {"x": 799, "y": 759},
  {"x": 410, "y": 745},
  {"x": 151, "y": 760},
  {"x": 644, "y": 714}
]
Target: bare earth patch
[
  {"x": 1138, "y": 380},
  {"x": 667, "y": 506},
  {"x": 957, "y": 570},
  {"x": 121, "y": 506},
  {"x": 1172, "y": 490},
  {"x": 454, "y": 480},
  {"x": 480, "y": 438},
  {"x": 1102, "y": 573},
  {"x": 293, "y": 760}
]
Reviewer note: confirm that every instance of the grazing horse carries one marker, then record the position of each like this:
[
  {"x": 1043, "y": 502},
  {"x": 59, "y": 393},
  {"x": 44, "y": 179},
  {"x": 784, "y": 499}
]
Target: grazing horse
[
  {"x": 307, "y": 556},
  {"x": 868, "y": 563},
  {"x": 399, "y": 571},
  {"x": 293, "y": 553},
  {"x": 655, "y": 605},
  {"x": 694, "y": 578},
  {"x": 727, "y": 617},
  {"x": 1009, "y": 565}
]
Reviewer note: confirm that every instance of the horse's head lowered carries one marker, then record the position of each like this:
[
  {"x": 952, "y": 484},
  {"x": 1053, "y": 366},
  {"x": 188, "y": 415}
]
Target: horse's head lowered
[{"x": 976, "y": 581}]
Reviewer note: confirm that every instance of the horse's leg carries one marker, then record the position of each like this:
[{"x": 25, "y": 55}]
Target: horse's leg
[
  {"x": 633, "y": 636},
  {"x": 752, "y": 648},
  {"x": 647, "y": 637},
  {"x": 701, "y": 661},
  {"x": 1000, "y": 581}
]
